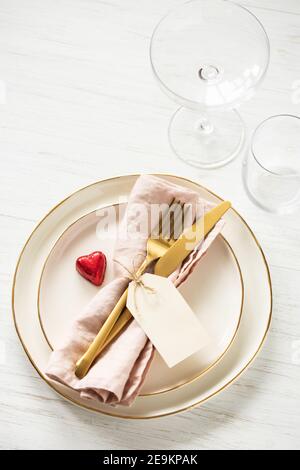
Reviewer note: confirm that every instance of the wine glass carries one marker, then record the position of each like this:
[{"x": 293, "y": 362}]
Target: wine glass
[
  {"x": 272, "y": 169},
  {"x": 209, "y": 56}
]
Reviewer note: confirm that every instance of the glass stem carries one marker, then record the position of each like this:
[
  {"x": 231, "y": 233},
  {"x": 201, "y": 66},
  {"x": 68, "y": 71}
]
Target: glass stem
[{"x": 204, "y": 126}]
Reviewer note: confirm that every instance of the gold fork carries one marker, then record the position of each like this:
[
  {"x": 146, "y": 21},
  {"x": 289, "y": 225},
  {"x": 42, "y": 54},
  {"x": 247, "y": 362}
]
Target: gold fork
[{"x": 162, "y": 237}]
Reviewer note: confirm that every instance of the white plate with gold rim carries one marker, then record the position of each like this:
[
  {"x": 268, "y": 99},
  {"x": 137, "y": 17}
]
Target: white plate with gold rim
[
  {"x": 63, "y": 294},
  {"x": 251, "y": 333}
]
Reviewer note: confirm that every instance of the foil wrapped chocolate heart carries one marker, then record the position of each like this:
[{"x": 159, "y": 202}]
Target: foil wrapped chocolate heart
[{"x": 92, "y": 267}]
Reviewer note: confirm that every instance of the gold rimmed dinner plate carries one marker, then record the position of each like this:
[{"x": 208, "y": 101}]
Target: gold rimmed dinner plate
[
  {"x": 255, "y": 320},
  {"x": 215, "y": 292}
]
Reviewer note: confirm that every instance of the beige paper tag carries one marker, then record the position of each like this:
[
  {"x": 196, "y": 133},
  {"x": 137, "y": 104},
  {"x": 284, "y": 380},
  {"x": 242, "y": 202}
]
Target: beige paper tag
[{"x": 166, "y": 318}]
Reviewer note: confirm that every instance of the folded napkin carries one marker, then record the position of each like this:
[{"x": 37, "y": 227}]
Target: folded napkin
[{"x": 119, "y": 372}]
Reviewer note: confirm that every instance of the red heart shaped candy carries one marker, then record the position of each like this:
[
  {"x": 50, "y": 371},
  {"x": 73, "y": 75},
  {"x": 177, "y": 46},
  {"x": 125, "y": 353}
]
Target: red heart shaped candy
[{"x": 92, "y": 267}]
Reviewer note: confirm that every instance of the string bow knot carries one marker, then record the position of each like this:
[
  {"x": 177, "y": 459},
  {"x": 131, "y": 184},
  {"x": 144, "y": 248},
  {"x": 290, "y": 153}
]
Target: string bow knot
[{"x": 137, "y": 280}]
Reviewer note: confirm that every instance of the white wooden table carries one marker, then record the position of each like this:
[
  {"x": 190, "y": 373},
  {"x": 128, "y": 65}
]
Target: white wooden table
[{"x": 79, "y": 103}]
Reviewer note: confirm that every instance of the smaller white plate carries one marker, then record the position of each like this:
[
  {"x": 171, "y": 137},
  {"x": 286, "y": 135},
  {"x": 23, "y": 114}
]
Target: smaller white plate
[{"x": 215, "y": 292}]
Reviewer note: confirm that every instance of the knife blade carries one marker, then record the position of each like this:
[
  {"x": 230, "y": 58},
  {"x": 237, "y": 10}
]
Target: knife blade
[{"x": 189, "y": 239}]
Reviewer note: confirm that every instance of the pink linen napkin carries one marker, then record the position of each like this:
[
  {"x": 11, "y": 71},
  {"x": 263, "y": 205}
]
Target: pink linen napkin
[{"x": 118, "y": 374}]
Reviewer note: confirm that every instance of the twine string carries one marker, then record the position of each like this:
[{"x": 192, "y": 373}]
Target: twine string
[{"x": 137, "y": 280}]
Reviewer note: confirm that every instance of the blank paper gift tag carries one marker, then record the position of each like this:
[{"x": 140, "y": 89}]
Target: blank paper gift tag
[{"x": 166, "y": 318}]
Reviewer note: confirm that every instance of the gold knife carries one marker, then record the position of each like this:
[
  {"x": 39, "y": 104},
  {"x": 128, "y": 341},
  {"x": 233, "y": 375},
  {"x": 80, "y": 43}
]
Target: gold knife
[{"x": 175, "y": 255}]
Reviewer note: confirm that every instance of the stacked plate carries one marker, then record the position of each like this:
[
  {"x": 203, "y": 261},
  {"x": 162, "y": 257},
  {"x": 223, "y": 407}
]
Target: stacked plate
[{"x": 230, "y": 292}]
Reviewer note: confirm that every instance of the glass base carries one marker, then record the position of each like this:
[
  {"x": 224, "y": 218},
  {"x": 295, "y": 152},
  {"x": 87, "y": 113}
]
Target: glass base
[
  {"x": 206, "y": 140},
  {"x": 268, "y": 192}
]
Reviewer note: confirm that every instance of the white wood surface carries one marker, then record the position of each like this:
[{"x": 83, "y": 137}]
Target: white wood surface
[{"x": 81, "y": 104}]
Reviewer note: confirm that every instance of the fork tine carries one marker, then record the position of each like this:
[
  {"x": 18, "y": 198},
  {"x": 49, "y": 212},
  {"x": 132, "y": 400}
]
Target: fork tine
[
  {"x": 179, "y": 224},
  {"x": 187, "y": 216},
  {"x": 165, "y": 229},
  {"x": 163, "y": 216},
  {"x": 183, "y": 219},
  {"x": 171, "y": 221},
  {"x": 157, "y": 229}
]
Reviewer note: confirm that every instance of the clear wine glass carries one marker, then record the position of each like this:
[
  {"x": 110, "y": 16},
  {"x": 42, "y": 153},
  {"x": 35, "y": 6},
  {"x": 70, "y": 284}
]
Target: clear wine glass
[
  {"x": 272, "y": 169},
  {"x": 209, "y": 56}
]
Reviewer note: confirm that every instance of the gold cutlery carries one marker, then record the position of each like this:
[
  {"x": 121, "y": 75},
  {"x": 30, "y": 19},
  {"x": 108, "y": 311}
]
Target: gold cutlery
[
  {"x": 169, "y": 254},
  {"x": 174, "y": 256},
  {"x": 158, "y": 243}
]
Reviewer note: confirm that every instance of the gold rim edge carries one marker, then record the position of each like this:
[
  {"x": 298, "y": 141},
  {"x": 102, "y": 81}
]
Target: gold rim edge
[
  {"x": 190, "y": 407},
  {"x": 179, "y": 385}
]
